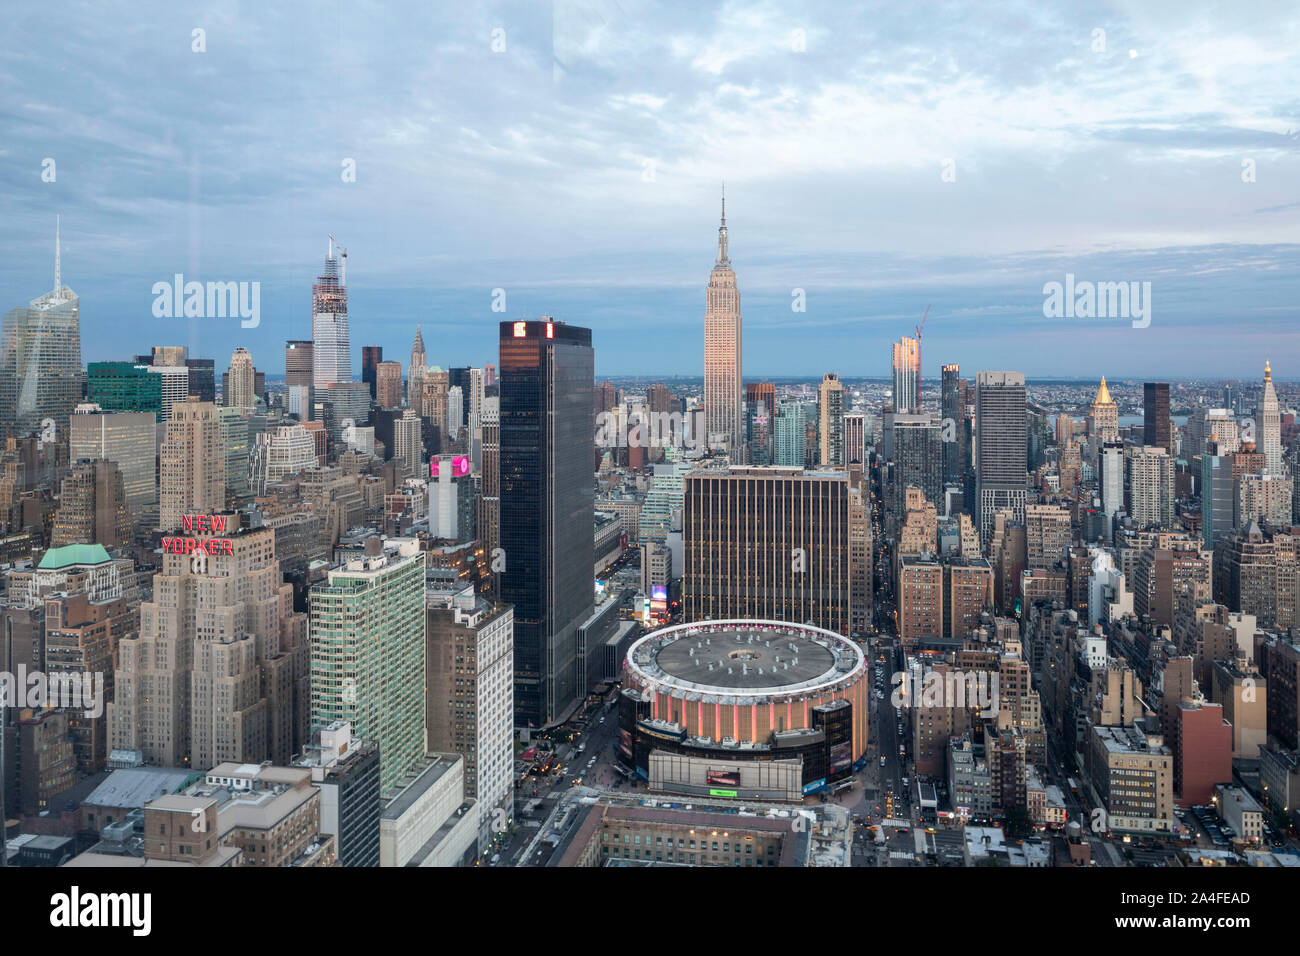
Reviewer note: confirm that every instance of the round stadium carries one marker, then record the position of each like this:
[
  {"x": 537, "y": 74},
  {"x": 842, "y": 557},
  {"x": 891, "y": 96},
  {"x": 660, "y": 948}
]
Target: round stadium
[{"x": 746, "y": 682}]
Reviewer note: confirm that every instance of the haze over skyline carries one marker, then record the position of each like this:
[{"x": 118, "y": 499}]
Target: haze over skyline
[{"x": 583, "y": 180}]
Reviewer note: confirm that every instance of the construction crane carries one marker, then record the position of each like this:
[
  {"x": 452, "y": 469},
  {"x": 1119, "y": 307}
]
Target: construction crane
[
  {"x": 920, "y": 328},
  {"x": 343, "y": 265}
]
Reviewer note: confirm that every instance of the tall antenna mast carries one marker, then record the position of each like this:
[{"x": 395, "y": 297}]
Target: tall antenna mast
[{"x": 58, "y": 265}]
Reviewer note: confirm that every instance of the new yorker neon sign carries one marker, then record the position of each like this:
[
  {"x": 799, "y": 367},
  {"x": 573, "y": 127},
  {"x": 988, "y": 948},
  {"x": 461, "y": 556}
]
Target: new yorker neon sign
[{"x": 200, "y": 525}]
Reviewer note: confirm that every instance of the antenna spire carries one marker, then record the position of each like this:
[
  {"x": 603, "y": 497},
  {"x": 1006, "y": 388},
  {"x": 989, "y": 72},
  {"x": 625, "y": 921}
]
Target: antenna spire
[
  {"x": 724, "y": 256},
  {"x": 58, "y": 257}
]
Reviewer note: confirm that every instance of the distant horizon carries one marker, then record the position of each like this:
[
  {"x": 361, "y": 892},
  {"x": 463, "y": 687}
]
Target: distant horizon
[{"x": 882, "y": 165}]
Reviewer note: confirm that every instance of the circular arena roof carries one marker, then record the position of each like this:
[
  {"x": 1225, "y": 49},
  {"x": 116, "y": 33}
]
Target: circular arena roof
[{"x": 743, "y": 658}]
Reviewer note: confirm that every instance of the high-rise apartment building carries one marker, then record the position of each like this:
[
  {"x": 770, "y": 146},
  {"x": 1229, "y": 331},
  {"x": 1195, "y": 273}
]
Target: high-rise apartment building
[
  {"x": 1047, "y": 535},
  {"x": 407, "y": 445},
  {"x": 331, "y": 341},
  {"x": 920, "y": 600},
  {"x": 861, "y": 566},
  {"x": 547, "y": 508},
  {"x": 788, "y": 430},
  {"x": 191, "y": 464},
  {"x": 968, "y": 594},
  {"x": 907, "y": 376},
  {"x": 92, "y": 506},
  {"x": 368, "y": 652},
  {"x": 434, "y": 398},
  {"x": 772, "y": 543},
  {"x": 388, "y": 385},
  {"x": 1245, "y": 574},
  {"x": 1150, "y": 487},
  {"x": 723, "y": 395},
  {"x": 1264, "y": 497},
  {"x": 1001, "y": 479},
  {"x": 470, "y": 684},
  {"x": 1170, "y": 583},
  {"x": 830, "y": 428},
  {"x": 489, "y": 500}
]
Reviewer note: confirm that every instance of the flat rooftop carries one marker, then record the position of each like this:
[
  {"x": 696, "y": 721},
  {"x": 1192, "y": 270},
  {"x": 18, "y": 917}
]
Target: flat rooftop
[
  {"x": 138, "y": 786},
  {"x": 745, "y": 659},
  {"x": 739, "y": 656}
]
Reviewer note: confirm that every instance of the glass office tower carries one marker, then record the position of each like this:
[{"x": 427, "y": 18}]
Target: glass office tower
[{"x": 547, "y": 509}]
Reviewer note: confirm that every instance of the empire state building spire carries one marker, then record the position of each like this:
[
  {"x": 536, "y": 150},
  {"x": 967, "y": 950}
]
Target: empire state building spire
[{"x": 724, "y": 259}]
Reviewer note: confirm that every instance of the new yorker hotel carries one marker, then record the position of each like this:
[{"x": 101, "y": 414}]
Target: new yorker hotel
[{"x": 219, "y": 670}]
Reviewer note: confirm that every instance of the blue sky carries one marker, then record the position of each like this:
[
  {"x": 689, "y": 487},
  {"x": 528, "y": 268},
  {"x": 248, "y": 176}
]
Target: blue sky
[{"x": 579, "y": 169}]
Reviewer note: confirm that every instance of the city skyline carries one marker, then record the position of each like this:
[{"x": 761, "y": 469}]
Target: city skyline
[
  {"x": 567, "y": 186},
  {"x": 975, "y": 543}
]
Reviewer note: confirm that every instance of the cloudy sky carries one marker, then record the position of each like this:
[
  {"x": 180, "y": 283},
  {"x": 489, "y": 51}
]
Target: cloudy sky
[{"x": 881, "y": 159}]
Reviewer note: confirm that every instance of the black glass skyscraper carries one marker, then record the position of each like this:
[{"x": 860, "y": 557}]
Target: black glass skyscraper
[
  {"x": 547, "y": 444},
  {"x": 1156, "y": 426},
  {"x": 952, "y": 426},
  {"x": 371, "y": 356},
  {"x": 202, "y": 379}
]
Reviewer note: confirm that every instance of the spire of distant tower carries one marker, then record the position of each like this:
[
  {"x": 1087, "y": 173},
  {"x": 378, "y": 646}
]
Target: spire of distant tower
[
  {"x": 58, "y": 256},
  {"x": 1268, "y": 372},
  {"x": 1103, "y": 394},
  {"x": 724, "y": 258}
]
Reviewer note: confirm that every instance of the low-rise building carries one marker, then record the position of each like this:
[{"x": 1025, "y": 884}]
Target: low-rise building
[
  {"x": 1239, "y": 810},
  {"x": 426, "y": 819}
]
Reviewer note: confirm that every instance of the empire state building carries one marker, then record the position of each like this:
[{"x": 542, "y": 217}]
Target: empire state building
[{"x": 724, "y": 410}]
